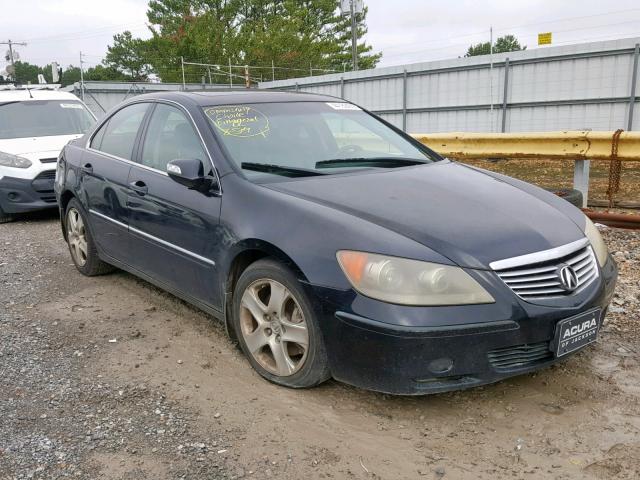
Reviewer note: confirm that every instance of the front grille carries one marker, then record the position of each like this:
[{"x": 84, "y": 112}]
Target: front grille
[
  {"x": 519, "y": 356},
  {"x": 541, "y": 280},
  {"x": 49, "y": 160}
]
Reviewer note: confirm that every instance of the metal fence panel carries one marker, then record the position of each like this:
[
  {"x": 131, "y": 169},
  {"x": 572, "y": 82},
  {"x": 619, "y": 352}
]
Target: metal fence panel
[{"x": 586, "y": 86}]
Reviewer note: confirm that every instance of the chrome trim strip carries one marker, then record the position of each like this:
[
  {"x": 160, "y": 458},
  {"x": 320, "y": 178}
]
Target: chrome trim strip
[
  {"x": 155, "y": 239},
  {"x": 131, "y": 162},
  {"x": 171, "y": 245},
  {"x": 542, "y": 256},
  {"x": 98, "y": 214}
]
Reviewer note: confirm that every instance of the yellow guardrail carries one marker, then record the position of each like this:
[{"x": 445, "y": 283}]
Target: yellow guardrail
[{"x": 569, "y": 145}]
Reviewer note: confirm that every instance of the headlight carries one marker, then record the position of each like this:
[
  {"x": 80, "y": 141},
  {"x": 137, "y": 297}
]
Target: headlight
[
  {"x": 592, "y": 233},
  {"x": 410, "y": 282},
  {"x": 8, "y": 160}
]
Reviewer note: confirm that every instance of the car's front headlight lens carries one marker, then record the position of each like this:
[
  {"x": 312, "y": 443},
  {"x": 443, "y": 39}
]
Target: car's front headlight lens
[
  {"x": 410, "y": 282},
  {"x": 9, "y": 160},
  {"x": 592, "y": 233}
]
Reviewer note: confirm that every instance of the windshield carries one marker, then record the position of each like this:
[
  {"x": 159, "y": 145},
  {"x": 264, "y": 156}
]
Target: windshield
[
  {"x": 297, "y": 139},
  {"x": 42, "y": 118}
]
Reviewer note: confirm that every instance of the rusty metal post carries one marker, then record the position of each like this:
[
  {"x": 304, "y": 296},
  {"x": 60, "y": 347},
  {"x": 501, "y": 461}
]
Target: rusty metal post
[{"x": 581, "y": 179}]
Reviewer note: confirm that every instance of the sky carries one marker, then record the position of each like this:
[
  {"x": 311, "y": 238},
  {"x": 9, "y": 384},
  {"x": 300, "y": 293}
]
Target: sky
[{"x": 405, "y": 31}]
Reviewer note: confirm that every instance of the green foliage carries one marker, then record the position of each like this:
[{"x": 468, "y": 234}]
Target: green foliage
[
  {"x": 295, "y": 34},
  {"x": 128, "y": 56},
  {"x": 507, "y": 43},
  {"x": 27, "y": 72}
]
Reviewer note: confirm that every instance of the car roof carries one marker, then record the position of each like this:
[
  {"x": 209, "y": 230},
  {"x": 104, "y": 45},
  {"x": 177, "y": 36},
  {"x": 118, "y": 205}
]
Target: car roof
[
  {"x": 36, "y": 94},
  {"x": 238, "y": 97}
]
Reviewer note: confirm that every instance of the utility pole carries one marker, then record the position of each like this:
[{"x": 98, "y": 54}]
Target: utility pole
[
  {"x": 354, "y": 35},
  {"x": 11, "y": 59},
  {"x": 81, "y": 78}
]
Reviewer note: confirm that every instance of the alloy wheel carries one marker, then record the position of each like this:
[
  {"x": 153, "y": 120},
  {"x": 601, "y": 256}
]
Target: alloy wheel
[
  {"x": 76, "y": 236},
  {"x": 273, "y": 327}
]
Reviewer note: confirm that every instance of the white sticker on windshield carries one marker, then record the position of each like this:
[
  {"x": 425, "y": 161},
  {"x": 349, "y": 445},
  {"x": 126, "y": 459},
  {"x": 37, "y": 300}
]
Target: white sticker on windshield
[
  {"x": 343, "y": 106},
  {"x": 71, "y": 105}
]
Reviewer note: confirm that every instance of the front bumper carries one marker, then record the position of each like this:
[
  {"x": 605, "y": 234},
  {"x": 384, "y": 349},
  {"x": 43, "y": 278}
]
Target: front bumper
[
  {"x": 479, "y": 344},
  {"x": 18, "y": 195}
]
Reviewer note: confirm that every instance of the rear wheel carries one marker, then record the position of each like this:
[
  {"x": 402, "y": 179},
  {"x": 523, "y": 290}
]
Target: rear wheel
[
  {"x": 81, "y": 244},
  {"x": 277, "y": 328},
  {"x": 5, "y": 217}
]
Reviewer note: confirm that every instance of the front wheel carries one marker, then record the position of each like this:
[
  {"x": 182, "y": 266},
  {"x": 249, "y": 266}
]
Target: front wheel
[{"x": 277, "y": 328}]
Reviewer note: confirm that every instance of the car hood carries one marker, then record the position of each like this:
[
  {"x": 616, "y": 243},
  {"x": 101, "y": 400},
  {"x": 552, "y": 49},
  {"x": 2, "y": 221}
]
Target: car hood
[
  {"x": 468, "y": 216},
  {"x": 35, "y": 145}
]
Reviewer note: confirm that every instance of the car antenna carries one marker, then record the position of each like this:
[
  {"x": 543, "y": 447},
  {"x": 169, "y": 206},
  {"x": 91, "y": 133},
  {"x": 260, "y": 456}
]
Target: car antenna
[{"x": 29, "y": 90}]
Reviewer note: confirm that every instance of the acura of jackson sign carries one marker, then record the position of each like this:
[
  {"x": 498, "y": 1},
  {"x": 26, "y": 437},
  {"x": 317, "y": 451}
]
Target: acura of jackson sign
[{"x": 576, "y": 332}]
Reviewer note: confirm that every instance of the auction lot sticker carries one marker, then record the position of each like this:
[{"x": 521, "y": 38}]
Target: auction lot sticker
[{"x": 238, "y": 120}]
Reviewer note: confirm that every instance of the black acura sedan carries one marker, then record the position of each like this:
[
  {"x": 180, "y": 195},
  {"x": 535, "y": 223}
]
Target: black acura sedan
[{"x": 331, "y": 243}]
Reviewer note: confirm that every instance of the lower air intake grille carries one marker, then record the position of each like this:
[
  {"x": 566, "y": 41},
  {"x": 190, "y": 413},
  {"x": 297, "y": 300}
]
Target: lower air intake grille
[{"x": 519, "y": 356}]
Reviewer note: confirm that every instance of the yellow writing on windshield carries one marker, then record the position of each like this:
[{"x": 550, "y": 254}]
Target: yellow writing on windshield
[{"x": 238, "y": 120}]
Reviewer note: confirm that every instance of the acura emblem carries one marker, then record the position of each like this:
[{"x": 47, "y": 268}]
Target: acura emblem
[{"x": 568, "y": 278}]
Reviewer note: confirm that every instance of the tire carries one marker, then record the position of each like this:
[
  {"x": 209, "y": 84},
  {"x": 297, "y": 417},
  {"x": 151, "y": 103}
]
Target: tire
[
  {"x": 572, "y": 196},
  {"x": 81, "y": 245},
  {"x": 274, "y": 293},
  {"x": 5, "y": 217}
]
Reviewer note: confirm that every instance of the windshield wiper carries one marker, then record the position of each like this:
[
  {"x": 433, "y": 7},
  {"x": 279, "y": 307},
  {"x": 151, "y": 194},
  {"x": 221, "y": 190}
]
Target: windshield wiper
[
  {"x": 382, "y": 162},
  {"x": 9, "y": 103},
  {"x": 280, "y": 169}
]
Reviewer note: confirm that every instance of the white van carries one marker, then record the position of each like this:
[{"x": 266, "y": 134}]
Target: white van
[{"x": 35, "y": 124}]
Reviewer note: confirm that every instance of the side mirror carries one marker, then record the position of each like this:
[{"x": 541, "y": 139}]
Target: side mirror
[{"x": 190, "y": 173}]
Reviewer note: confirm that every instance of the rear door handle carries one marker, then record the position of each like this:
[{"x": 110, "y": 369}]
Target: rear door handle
[
  {"x": 87, "y": 168},
  {"x": 139, "y": 187}
]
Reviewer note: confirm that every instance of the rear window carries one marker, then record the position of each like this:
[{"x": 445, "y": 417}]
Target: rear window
[{"x": 43, "y": 118}]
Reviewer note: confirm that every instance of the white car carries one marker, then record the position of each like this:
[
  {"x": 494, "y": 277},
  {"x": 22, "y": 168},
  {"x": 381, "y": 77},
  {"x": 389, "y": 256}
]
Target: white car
[{"x": 35, "y": 124}]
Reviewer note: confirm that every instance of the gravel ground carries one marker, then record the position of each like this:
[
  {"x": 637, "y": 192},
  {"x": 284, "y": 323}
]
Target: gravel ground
[{"x": 110, "y": 378}]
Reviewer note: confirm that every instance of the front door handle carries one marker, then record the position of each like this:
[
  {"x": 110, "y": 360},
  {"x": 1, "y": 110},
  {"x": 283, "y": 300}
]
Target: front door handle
[
  {"x": 139, "y": 187},
  {"x": 87, "y": 168}
]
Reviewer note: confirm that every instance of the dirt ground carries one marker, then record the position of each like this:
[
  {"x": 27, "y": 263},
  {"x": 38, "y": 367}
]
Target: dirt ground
[
  {"x": 111, "y": 378},
  {"x": 559, "y": 174}
]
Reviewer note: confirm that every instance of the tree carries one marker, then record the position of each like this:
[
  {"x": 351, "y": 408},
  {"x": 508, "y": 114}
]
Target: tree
[
  {"x": 365, "y": 58},
  {"x": 294, "y": 34},
  {"x": 100, "y": 73},
  {"x": 507, "y": 43},
  {"x": 129, "y": 56},
  {"x": 26, "y": 72},
  {"x": 70, "y": 75}
]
